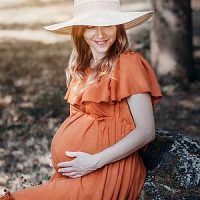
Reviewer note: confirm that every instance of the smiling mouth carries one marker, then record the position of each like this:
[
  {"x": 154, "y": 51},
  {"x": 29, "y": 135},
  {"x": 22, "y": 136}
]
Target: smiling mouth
[{"x": 102, "y": 42}]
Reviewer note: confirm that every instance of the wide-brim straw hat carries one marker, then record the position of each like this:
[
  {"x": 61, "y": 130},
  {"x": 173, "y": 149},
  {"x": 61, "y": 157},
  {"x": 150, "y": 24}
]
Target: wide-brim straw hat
[{"x": 100, "y": 13}]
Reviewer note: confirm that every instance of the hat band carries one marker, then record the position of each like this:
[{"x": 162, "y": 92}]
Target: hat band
[{"x": 96, "y": 6}]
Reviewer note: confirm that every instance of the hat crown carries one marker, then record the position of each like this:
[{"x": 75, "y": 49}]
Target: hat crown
[{"x": 85, "y": 6}]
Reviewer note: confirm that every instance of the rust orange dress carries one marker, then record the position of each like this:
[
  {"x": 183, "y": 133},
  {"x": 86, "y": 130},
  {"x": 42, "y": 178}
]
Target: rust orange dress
[{"x": 99, "y": 118}]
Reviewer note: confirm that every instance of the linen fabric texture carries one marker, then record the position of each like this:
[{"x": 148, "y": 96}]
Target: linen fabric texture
[{"x": 99, "y": 118}]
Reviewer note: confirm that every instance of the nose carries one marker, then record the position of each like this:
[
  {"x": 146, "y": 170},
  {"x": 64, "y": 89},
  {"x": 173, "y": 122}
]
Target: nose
[{"x": 100, "y": 31}]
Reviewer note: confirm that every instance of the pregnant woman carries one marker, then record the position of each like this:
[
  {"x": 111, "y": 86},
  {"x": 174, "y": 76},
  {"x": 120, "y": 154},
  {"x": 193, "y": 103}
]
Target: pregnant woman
[{"x": 112, "y": 92}]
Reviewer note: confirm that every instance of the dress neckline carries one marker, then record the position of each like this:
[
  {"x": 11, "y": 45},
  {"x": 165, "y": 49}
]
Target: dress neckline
[{"x": 89, "y": 68}]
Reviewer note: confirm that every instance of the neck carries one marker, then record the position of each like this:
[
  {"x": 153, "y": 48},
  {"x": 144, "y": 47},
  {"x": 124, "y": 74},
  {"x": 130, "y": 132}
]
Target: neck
[
  {"x": 93, "y": 63},
  {"x": 97, "y": 55},
  {"x": 95, "y": 60}
]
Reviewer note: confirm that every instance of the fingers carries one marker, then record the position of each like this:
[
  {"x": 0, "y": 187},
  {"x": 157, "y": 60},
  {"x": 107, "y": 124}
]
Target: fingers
[
  {"x": 75, "y": 176},
  {"x": 66, "y": 170},
  {"x": 76, "y": 167},
  {"x": 71, "y": 154},
  {"x": 70, "y": 174},
  {"x": 65, "y": 164}
]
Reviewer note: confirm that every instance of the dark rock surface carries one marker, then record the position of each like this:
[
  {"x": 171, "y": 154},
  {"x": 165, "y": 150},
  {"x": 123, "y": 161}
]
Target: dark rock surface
[{"x": 173, "y": 168}]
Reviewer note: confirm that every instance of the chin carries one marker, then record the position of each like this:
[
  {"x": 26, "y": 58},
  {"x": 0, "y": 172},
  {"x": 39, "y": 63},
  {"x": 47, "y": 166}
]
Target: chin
[{"x": 102, "y": 50}]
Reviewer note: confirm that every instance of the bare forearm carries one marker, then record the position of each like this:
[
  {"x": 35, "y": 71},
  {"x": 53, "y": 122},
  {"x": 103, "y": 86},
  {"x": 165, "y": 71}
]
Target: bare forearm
[{"x": 126, "y": 146}]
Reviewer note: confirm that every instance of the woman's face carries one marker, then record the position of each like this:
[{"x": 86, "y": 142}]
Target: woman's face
[{"x": 100, "y": 38}]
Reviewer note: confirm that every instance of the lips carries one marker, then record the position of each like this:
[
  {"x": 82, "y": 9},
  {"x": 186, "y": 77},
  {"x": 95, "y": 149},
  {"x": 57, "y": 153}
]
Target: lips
[{"x": 101, "y": 42}]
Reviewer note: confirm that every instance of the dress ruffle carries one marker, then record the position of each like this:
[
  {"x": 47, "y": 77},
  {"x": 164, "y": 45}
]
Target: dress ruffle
[
  {"x": 7, "y": 196},
  {"x": 131, "y": 74}
]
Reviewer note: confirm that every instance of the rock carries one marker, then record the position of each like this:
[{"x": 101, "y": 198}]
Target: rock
[{"x": 173, "y": 168}]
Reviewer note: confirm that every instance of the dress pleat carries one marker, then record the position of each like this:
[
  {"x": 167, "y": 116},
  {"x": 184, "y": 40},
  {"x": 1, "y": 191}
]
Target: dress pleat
[{"x": 99, "y": 118}]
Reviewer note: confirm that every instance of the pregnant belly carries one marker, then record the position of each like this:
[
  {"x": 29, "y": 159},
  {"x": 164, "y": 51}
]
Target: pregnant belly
[{"x": 78, "y": 134}]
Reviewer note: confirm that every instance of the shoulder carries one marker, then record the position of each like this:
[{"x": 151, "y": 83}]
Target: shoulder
[
  {"x": 131, "y": 53},
  {"x": 129, "y": 60}
]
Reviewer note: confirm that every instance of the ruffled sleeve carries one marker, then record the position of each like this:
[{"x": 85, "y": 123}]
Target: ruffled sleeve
[{"x": 132, "y": 75}]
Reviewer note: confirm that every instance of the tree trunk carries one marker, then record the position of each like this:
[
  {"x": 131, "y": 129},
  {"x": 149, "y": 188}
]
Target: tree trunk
[{"x": 171, "y": 40}]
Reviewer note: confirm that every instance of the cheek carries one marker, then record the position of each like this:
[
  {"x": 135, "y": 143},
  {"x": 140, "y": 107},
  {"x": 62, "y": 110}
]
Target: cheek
[
  {"x": 88, "y": 37},
  {"x": 113, "y": 36}
]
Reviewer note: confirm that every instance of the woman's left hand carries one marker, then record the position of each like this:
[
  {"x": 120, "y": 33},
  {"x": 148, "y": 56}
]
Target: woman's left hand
[{"x": 83, "y": 164}]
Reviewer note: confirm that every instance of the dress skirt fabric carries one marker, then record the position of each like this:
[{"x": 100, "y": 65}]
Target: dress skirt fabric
[{"x": 99, "y": 118}]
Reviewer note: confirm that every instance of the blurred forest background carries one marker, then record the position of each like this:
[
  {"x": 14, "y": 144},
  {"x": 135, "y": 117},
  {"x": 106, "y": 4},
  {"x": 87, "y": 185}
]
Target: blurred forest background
[{"x": 32, "y": 78}]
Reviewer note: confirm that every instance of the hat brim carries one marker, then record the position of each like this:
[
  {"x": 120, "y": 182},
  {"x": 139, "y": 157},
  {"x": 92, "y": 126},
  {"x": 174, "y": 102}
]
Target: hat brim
[{"x": 129, "y": 19}]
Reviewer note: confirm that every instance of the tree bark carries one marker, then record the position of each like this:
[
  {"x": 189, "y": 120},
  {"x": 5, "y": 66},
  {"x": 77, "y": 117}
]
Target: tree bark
[{"x": 171, "y": 40}]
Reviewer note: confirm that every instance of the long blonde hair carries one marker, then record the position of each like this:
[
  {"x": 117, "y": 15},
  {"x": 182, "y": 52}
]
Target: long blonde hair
[{"x": 81, "y": 56}]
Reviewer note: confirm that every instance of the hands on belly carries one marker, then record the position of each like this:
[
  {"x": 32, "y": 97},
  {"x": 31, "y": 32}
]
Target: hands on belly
[{"x": 83, "y": 164}]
